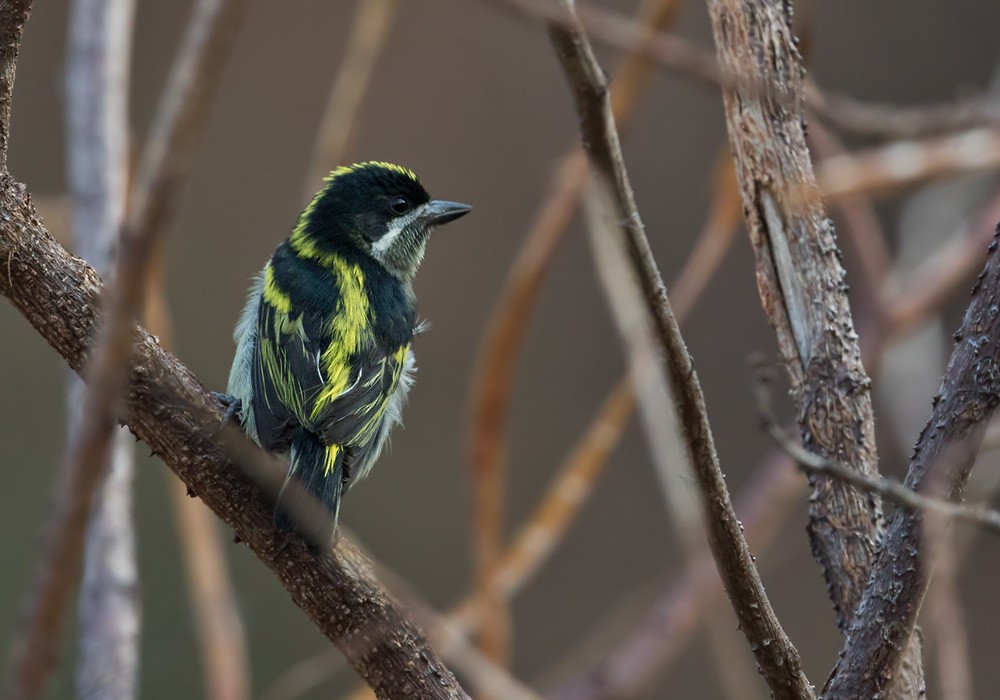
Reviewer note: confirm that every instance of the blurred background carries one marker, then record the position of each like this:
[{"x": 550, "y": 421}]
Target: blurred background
[{"x": 470, "y": 96}]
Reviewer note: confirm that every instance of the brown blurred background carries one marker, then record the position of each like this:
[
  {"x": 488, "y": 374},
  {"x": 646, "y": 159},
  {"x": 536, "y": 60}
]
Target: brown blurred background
[{"x": 471, "y": 98}]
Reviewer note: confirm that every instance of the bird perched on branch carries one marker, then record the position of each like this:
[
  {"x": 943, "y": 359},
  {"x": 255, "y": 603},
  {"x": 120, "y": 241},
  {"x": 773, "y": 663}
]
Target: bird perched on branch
[{"x": 323, "y": 360}]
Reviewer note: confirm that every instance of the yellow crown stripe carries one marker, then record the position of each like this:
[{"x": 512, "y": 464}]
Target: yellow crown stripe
[{"x": 345, "y": 169}]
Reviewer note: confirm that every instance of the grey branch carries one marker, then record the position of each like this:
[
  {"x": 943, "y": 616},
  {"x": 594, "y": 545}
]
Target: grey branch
[
  {"x": 946, "y": 450},
  {"x": 777, "y": 657},
  {"x": 109, "y": 609},
  {"x": 978, "y": 514}
]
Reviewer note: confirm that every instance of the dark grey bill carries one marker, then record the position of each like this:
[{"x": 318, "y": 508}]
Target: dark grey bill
[{"x": 438, "y": 211}]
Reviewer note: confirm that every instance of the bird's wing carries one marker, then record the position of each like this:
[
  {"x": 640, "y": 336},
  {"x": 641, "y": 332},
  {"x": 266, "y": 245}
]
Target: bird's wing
[
  {"x": 351, "y": 416},
  {"x": 286, "y": 377}
]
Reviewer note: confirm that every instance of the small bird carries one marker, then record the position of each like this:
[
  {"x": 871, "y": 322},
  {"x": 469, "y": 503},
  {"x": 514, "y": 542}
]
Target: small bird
[{"x": 323, "y": 361}]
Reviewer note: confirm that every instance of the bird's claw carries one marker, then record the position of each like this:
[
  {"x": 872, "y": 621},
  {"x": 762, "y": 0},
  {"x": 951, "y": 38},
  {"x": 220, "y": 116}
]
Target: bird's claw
[{"x": 232, "y": 404}]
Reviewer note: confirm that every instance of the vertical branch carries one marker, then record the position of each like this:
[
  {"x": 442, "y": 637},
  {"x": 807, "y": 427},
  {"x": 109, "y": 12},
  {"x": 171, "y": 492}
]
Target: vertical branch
[
  {"x": 338, "y": 126},
  {"x": 13, "y": 15},
  {"x": 97, "y": 74},
  {"x": 802, "y": 288},
  {"x": 777, "y": 658}
]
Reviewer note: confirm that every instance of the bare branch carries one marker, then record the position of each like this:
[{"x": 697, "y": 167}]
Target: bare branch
[
  {"x": 801, "y": 283},
  {"x": 13, "y": 15},
  {"x": 777, "y": 658},
  {"x": 968, "y": 399},
  {"x": 848, "y": 114},
  {"x": 978, "y": 514}
]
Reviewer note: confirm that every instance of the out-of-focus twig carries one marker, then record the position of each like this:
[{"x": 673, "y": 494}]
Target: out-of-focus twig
[
  {"x": 183, "y": 113},
  {"x": 338, "y": 126},
  {"x": 97, "y": 75},
  {"x": 174, "y": 133},
  {"x": 904, "y": 163},
  {"x": 848, "y": 114},
  {"x": 945, "y": 622},
  {"x": 944, "y": 272},
  {"x": 507, "y": 325},
  {"x": 722, "y": 224},
  {"x": 778, "y": 659},
  {"x": 977, "y": 514}
]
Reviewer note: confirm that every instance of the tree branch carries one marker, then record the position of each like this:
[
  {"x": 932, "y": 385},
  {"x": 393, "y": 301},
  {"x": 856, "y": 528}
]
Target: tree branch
[
  {"x": 777, "y": 658},
  {"x": 979, "y": 515},
  {"x": 968, "y": 399},
  {"x": 801, "y": 282},
  {"x": 169, "y": 409}
]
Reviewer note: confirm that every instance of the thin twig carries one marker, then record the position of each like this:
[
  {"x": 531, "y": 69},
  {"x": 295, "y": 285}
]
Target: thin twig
[
  {"x": 844, "y": 113},
  {"x": 848, "y": 114},
  {"x": 777, "y": 658},
  {"x": 339, "y": 124},
  {"x": 979, "y": 515},
  {"x": 507, "y": 327},
  {"x": 109, "y": 609},
  {"x": 968, "y": 399}
]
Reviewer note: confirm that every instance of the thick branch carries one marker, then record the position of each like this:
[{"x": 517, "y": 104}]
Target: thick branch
[
  {"x": 801, "y": 282},
  {"x": 948, "y": 445},
  {"x": 165, "y": 405},
  {"x": 777, "y": 658}
]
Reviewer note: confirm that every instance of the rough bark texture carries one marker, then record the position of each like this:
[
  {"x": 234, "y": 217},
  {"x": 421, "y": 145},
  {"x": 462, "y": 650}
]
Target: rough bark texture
[
  {"x": 944, "y": 454},
  {"x": 777, "y": 658},
  {"x": 166, "y": 408},
  {"x": 801, "y": 283},
  {"x": 802, "y": 288}
]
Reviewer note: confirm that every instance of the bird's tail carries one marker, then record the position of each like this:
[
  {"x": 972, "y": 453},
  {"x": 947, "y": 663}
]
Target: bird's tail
[{"x": 319, "y": 470}]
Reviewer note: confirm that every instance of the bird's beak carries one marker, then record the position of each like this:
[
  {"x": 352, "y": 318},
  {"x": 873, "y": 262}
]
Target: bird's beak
[{"x": 438, "y": 211}]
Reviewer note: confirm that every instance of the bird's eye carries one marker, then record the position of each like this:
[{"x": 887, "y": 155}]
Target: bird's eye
[{"x": 399, "y": 206}]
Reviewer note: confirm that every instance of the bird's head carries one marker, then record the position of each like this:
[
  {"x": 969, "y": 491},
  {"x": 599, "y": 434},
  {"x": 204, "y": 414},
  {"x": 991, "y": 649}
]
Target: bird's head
[{"x": 380, "y": 209}]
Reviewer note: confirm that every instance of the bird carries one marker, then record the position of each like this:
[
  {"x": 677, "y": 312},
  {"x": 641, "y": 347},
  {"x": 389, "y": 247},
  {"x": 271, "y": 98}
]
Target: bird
[{"x": 323, "y": 359}]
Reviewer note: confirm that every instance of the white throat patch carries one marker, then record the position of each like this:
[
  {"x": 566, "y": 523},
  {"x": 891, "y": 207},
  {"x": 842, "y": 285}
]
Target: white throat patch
[{"x": 396, "y": 227}]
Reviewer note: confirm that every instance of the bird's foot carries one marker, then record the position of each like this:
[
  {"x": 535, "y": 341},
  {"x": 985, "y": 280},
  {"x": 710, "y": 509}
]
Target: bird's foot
[{"x": 232, "y": 404}]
